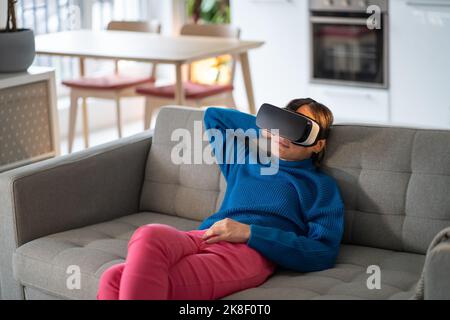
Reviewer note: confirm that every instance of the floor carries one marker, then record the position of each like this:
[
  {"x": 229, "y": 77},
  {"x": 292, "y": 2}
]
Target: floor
[{"x": 103, "y": 136}]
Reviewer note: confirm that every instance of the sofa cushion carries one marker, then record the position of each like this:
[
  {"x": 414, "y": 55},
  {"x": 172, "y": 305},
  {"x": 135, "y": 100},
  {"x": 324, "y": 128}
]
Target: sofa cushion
[
  {"x": 41, "y": 265},
  {"x": 347, "y": 280}
]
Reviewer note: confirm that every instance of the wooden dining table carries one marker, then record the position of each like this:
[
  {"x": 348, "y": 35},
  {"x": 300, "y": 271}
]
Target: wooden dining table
[{"x": 151, "y": 48}]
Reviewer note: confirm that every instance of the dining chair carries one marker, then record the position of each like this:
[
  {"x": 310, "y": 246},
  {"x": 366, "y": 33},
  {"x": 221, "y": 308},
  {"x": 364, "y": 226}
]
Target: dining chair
[
  {"x": 111, "y": 87},
  {"x": 197, "y": 94}
]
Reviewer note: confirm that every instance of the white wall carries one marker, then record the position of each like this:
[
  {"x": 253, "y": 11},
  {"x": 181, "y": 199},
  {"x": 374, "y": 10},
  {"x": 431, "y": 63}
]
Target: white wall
[
  {"x": 420, "y": 63},
  {"x": 168, "y": 12},
  {"x": 3, "y": 13},
  {"x": 280, "y": 68},
  {"x": 171, "y": 15}
]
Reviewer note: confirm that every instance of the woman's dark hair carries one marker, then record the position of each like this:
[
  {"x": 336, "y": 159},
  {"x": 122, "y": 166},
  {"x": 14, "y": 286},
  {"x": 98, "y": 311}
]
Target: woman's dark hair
[{"x": 321, "y": 114}]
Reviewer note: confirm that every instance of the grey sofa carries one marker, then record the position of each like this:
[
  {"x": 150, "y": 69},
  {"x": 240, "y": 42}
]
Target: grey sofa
[{"x": 82, "y": 209}]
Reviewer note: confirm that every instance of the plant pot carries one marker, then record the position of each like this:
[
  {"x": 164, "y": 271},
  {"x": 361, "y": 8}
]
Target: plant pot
[{"x": 17, "y": 50}]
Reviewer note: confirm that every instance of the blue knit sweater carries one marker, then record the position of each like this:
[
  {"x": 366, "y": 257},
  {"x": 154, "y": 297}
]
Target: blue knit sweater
[{"x": 295, "y": 216}]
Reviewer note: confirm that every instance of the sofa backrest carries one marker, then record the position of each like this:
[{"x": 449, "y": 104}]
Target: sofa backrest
[
  {"x": 395, "y": 182},
  {"x": 193, "y": 191}
]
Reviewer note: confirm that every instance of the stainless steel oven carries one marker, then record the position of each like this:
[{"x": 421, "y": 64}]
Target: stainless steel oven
[{"x": 345, "y": 49}]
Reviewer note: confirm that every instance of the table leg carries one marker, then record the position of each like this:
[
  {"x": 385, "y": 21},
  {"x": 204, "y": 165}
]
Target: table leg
[
  {"x": 84, "y": 109},
  {"x": 179, "y": 90},
  {"x": 245, "y": 65}
]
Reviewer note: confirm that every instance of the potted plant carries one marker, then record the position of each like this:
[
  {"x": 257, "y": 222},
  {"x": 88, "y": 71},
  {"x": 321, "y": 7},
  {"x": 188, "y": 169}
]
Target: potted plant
[
  {"x": 17, "y": 48},
  {"x": 209, "y": 11}
]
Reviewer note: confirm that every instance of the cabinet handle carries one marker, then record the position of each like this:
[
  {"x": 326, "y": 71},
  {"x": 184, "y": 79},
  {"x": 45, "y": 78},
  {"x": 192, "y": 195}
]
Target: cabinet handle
[
  {"x": 427, "y": 4},
  {"x": 338, "y": 20}
]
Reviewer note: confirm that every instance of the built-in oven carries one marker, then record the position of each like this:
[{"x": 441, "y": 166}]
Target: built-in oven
[{"x": 349, "y": 42}]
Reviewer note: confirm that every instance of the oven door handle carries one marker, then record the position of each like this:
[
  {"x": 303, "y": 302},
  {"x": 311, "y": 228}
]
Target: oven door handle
[
  {"x": 339, "y": 20},
  {"x": 428, "y": 4}
]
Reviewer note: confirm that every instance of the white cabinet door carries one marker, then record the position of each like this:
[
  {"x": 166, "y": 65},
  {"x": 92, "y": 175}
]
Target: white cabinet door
[
  {"x": 353, "y": 105},
  {"x": 420, "y": 62},
  {"x": 280, "y": 68}
]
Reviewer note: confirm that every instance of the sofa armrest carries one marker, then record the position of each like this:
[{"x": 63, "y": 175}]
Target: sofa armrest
[
  {"x": 437, "y": 269},
  {"x": 66, "y": 193}
]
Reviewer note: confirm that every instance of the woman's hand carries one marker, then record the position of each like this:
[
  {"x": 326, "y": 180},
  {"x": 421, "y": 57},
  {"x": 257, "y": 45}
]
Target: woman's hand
[{"x": 227, "y": 230}]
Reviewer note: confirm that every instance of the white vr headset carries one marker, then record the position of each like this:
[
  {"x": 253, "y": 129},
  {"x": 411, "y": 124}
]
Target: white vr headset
[{"x": 297, "y": 128}]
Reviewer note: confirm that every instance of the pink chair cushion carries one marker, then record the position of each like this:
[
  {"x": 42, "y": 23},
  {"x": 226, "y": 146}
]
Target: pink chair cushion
[
  {"x": 192, "y": 90},
  {"x": 110, "y": 82}
]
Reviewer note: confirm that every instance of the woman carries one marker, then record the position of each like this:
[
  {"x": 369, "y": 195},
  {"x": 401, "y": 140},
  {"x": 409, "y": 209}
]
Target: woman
[{"x": 293, "y": 219}]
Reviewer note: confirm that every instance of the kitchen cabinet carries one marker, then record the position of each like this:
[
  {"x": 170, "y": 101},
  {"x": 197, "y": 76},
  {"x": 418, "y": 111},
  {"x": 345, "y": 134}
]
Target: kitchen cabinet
[
  {"x": 353, "y": 104},
  {"x": 280, "y": 69},
  {"x": 420, "y": 62}
]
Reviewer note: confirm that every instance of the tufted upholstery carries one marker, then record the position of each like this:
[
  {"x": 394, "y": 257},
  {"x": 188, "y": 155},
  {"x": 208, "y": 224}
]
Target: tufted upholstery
[
  {"x": 43, "y": 263},
  {"x": 190, "y": 191},
  {"x": 393, "y": 181},
  {"x": 347, "y": 280}
]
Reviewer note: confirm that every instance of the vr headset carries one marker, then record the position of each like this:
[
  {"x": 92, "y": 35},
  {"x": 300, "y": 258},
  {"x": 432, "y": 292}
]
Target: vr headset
[{"x": 297, "y": 128}]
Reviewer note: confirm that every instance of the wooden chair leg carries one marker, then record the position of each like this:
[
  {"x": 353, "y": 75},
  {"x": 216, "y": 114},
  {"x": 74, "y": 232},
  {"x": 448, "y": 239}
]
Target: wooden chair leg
[
  {"x": 231, "y": 103},
  {"x": 119, "y": 117},
  {"x": 198, "y": 103},
  {"x": 148, "y": 113},
  {"x": 72, "y": 120},
  {"x": 85, "y": 123},
  {"x": 225, "y": 100}
]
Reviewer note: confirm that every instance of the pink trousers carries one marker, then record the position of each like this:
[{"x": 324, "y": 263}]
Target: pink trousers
[{"x": 164, "y": 263}]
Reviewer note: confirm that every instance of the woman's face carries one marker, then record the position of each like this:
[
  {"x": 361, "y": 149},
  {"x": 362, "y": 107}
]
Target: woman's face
[{"x": 286, "y": 150}]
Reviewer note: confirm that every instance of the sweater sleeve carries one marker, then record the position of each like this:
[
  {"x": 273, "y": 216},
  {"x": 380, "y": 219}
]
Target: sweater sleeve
[
  {"x": 313, "y": 252},
  {"x": 221, "y": 120}
]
